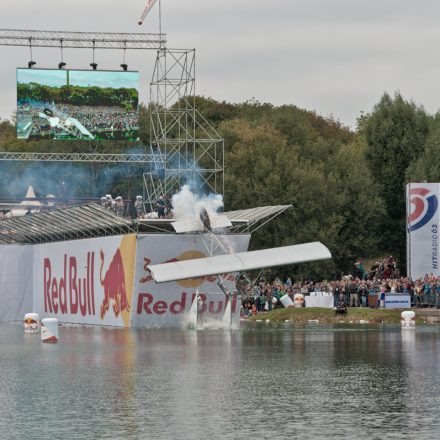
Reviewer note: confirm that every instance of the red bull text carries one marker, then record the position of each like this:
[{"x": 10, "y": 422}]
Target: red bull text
[
  {"x": 70, "y": 293},
  {"x": 147, "y": 305}
]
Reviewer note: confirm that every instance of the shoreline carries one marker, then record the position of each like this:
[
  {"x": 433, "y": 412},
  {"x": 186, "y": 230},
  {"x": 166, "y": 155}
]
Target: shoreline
[{"x": 354, "y": 315}]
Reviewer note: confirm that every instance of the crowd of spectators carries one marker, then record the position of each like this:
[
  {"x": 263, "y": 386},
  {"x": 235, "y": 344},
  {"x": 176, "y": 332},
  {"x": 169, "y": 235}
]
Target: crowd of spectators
[
  {"x": 362, "y": 289},
  {"x": 93, "y": 118}
]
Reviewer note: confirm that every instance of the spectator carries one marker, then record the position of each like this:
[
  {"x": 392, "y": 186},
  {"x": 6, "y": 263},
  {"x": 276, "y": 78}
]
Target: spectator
[
  {"x": 353, "y": 290},
  {"x": 161, "y": 207}
]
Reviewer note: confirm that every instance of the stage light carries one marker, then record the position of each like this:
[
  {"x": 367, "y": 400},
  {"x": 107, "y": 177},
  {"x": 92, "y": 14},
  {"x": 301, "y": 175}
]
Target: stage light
[
  {"x": 61, "y": 65},
  {"x": 124, "y": 67},
  {"x": 94, "y": 66},
  {"x": 31, "y": 63}
]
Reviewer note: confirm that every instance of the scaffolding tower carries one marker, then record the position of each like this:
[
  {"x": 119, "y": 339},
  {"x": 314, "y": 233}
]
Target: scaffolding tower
[{"x": 185, "y": 148}]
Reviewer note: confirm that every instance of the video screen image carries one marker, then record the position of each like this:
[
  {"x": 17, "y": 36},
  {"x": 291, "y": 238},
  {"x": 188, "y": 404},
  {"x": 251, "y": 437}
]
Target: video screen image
[{"x": 77, "y": 104}]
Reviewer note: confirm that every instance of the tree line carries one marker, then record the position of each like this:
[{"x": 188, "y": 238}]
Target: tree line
[
  {"x": 78, "y": 95},
  {"x": 347, "y": 186}
]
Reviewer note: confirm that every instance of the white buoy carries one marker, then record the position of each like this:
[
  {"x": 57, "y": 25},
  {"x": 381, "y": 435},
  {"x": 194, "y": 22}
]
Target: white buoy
[
  {"x": 31, "y": 323},
  {"x": 49, "y": 330},
  {"x": 408, "y": 319},
  {"x": 286, "y": 301},
  {"x": 298, "y": 300}
]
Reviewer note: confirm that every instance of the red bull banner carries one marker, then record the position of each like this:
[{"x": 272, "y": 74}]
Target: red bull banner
[
  {"x": 422, "y": 226},
  {"x": 85, "y": 281},
  {"x": 168, "y": 304},
  {"x": 15, "y": 282}
]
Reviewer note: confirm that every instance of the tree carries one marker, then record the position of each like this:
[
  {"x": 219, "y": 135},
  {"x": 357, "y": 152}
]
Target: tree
[
  {"x": 427, "y": 165},
  {"x": 395, "y": 133},
  {"x": 334, "y": 197}
]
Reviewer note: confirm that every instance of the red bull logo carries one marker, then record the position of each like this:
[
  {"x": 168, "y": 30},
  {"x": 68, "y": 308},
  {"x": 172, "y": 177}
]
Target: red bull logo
[
  {"x": 117, "y": 282},
  {"x": 113, "y": 284}
]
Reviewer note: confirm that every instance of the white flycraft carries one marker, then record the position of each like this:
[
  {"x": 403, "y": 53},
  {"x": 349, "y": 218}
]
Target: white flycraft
[{"x": 240, "y": 262}]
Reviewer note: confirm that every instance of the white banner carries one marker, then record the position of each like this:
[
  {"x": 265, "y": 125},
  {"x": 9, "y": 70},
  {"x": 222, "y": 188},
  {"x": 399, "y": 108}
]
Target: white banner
[
  {"x": 423, "y": 219},
  {"x": 85, "y": 281},
  {"x": 15, "y": 282},
  {"x": 168, "y": 304}
]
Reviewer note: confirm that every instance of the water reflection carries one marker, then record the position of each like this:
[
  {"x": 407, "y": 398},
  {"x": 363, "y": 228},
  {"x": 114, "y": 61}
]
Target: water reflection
[{"x": 310, "y": 382}]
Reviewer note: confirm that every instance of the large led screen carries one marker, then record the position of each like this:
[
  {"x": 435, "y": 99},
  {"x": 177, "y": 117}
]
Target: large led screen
[{"x": 77, "y": 104}]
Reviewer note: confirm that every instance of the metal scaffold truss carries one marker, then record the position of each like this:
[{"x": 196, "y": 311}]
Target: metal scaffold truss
[
  {"x": 78, "y": 157},
  {"x": 81, "y": 40},
  {"x": 184, "y": 147},
  {"x": 192, "y": 152}
]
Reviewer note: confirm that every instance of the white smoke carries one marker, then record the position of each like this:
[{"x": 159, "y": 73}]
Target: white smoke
[{"x": 187, "y": 204}]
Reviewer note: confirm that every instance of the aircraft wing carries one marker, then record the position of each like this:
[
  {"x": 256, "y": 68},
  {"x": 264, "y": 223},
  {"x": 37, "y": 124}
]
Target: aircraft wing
[{"x": 239, "y": 262}]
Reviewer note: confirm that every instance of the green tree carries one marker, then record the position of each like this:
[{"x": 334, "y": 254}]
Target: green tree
[
  {"x": 395, "y": 133},
  {"x": 427, "y": 165},
  {"x": 334, "y": 197}
]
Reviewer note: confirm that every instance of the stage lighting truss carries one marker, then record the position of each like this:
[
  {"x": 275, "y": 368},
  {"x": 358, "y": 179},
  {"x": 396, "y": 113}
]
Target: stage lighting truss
[
  {"x": 82, "y": 40},
  {"x": 184, "y": 147}
]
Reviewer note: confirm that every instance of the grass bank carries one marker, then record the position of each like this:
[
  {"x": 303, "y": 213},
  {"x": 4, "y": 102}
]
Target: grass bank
[{"x": 328, "y": 316}]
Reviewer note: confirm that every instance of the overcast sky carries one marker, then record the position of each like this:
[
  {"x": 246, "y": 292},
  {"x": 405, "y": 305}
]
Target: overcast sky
[{"x": 333, "y": 56}]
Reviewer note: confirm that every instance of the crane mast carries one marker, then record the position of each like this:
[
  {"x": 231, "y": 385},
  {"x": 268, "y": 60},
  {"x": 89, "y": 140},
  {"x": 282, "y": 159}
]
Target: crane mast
[{"x": 147, "y": 9}]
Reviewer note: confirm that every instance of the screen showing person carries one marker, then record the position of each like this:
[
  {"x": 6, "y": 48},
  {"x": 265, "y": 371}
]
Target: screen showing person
[{"x": 77, "y": 104}]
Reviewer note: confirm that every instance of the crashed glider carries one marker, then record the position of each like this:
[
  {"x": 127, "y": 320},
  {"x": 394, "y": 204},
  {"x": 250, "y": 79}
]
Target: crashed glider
[{"x": 240, "y": 262}]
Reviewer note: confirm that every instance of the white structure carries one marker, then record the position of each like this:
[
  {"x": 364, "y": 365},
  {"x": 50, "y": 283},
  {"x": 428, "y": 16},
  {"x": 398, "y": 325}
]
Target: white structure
[
  {"x": 286, "y": 301},
  {"x": 239, "y": 262},
  {"x": 423, "y": 220},
  {"x": 31, "y": 323},
  {"x": 49, "y": 330},
  {"x": 408, "y": 320}
]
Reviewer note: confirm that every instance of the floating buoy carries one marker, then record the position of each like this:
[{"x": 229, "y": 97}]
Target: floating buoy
[
  {"x": 31, "y": 323},
  {"x": 49, "y": 330},
  {"x": 286, "y": 301},
  {"x": 298, "y": 300},
  {"x": 408, "y": 319}
]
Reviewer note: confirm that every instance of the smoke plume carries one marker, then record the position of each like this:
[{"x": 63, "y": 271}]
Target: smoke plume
[{"x": 187, "y": 204}]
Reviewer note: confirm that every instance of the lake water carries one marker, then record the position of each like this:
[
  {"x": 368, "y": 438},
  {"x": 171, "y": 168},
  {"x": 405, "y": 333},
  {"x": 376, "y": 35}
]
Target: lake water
[{"x": 260, "y": 382}]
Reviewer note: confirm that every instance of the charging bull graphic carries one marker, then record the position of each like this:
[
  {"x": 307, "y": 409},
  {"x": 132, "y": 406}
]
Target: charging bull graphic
[
  {"x": 117, "y": 282},
  {"x": 114, "y": 286}
]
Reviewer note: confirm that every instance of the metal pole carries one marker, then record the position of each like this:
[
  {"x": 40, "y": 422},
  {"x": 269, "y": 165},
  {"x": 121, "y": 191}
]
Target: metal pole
[{"x": 160, "y": 17}]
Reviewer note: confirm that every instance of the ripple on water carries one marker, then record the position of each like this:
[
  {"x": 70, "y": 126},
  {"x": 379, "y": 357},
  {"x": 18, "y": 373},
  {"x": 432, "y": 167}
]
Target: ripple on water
[{"x": 313, "y": 382}]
